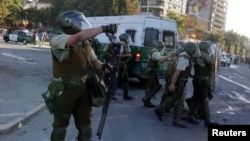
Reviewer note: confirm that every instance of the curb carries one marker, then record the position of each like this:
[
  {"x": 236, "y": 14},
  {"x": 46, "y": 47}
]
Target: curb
[{"x": 21, "y": 121}]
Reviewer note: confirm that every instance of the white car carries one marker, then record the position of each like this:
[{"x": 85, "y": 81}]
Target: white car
[{"x": 225, "y": 60}]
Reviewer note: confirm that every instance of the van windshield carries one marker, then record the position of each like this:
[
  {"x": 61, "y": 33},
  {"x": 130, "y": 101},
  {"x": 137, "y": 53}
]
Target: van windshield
[{"x": 150, "y": 35}]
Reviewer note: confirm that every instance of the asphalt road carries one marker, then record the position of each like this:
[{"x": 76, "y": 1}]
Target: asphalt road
[{"x": 130, "y": 121}]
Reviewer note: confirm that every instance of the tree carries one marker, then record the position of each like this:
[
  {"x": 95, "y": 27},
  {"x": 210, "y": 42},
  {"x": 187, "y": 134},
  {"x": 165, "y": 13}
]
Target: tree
[
  {"x": 181, "y": 21},
  {"x": 230, "y": 39},
  {"x": 11, "y": 10},
  {"x": 216, "y": 36},
  {"x": 4, "y": 11},
  {"x": 92, "y": 8}
]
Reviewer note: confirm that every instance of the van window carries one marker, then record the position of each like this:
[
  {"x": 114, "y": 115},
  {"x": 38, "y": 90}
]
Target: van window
[
  {"x": 168, "y": 39},
  {"x": 132, "y": 34},
  {"x": 150, "y": 35}
]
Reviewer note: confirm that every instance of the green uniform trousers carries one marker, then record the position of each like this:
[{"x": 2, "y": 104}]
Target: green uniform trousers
[
  {"x": 123, "y": 78},
  {"x": 153, "y": 85},
  {"x": 74, "y": 102},
  {"x": 200, "y": 98},
  {"x": 176, "y": 98}
]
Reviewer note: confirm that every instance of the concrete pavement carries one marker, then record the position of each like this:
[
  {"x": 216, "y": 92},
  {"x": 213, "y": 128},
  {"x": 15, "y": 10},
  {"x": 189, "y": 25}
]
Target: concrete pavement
[{"x": 20, "y": 92}]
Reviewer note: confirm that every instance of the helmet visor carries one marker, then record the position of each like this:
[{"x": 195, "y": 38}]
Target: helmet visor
[{"x": 80, "y": 22}]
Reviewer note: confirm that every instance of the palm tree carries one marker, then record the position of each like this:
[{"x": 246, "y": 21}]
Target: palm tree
[
  {"x": 181, "y": 21},
  {"x": 215, "y": 36},
  {"x": 230, "y": 39}
]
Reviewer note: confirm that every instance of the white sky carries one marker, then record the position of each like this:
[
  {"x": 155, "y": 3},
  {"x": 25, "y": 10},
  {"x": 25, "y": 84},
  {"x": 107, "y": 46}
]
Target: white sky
[{"x": 237, "y": 16}]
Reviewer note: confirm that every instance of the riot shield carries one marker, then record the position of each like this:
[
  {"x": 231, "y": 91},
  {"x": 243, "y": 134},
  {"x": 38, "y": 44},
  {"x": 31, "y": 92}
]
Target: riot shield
[{"x": 215, "y": 54}]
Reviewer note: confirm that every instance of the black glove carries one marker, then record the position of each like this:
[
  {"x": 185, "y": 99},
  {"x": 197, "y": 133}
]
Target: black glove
[{"x": 111, "y": 28}]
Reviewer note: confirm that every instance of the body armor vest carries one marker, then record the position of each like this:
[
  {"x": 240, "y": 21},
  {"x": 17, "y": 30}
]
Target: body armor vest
[
  {"x": 152, "y": 64},
  {"x": 202, "y": 71},
  {"x": 185, "y": 74},
  {"x": 125, "y": 51},
  {"x": 110, "y": 50},
  {"x": 75, "y": 67}
]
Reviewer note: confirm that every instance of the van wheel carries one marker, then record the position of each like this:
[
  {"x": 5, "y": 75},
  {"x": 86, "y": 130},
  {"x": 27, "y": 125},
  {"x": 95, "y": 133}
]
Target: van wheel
[
  {"x": 25, "y": 42},
  {"x": 6, "y": 39}
]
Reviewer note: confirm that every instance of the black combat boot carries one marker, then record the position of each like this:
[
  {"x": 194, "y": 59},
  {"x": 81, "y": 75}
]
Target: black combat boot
[
  {"x": 159, "y": 112},
  {"x": 147, "y": 103},
  {"x": 211, "y": 123},
  {"x": 179, "y": 124},
  {"x": 127, "y": 97},
  {"x": 192, "y": 120}
]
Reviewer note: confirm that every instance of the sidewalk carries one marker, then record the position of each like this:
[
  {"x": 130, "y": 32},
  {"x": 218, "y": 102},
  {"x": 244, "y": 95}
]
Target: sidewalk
[{"x": 20, "y": 92}]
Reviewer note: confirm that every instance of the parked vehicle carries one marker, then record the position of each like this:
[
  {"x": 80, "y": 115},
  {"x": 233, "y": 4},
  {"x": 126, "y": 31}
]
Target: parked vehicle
[
  {"x": 143, "y": 29},
  {"x": 225, "y": 60},
  {"x": 19, "y": 36}
]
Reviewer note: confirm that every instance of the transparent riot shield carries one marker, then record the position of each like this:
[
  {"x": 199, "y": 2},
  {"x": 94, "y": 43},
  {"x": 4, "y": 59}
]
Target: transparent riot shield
[{"x": 216, "y": 50}]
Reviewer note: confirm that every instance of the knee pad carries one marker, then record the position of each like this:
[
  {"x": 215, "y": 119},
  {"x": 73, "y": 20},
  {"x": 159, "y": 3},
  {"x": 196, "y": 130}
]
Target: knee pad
[
  {"x": 58, "y": 134},
  {"x": 85, "y": 132}
]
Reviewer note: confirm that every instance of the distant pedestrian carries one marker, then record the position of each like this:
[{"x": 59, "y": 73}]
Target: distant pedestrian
[
  {"x": 35, "y": 38},
  {"x": 41, "y": 38},
  {"x": 249, "y": 61}
]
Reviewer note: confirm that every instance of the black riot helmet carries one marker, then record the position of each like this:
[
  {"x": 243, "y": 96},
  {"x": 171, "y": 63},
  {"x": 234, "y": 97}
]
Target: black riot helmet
[
  {"x": 158, "y": 44},
  {"x": 205, "y": 46},
  {"x": 125, "y": 37},
  {"x": 180, "y": 47},
  {"x": 72, "y": 22},
  {"x": 180, "y": 44},
  {"x": 192, "y": 49}
]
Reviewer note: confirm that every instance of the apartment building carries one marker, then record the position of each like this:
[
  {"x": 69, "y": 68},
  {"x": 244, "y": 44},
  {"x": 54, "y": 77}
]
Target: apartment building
[
  {"x": 208, "y": 15},
  {"x": 218, "y": 15},
  {"x": 204, "y": 15},
  {"x": 35, "y": 3},
  {"x": 161, "y": 7}
]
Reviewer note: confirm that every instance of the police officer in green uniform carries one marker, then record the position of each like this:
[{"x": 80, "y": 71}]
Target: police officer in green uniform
[
  {"x": 108, "y": 47},
  {"x": 125, "y": 55},
  {"x": 108, "y": 52},
  {"x": 70, "y": 51},
  {"x": 170, "y": 71},
  {"x": 202, "y": 69},
  {"x": 178, "y": 84},
  {"x": 153, "y": 84}
]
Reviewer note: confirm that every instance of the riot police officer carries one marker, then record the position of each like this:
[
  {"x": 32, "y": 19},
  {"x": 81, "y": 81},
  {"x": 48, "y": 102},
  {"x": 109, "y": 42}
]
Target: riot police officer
[
  {"x": 70, "y": 51},
  {"x": 125, "y": 56},
  {"x": 202, "y": 91},
  {"x": 153, "y": 84},
  {"x": 177, "y": 86}
]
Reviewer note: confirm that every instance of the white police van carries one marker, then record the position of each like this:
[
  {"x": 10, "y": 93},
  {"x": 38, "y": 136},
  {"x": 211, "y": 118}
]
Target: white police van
[{"x": 143, "y": 29}]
